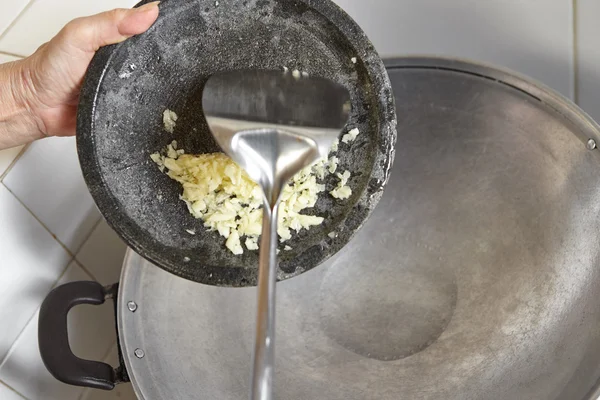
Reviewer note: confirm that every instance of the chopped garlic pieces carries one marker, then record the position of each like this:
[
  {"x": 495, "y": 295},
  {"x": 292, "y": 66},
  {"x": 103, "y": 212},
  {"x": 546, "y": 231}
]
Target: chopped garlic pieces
[
  {"x": 233, "y": 243},
  {"x": 169, "y": 120},
  {"x": 333, "y": 163},
  {"x": 217, "y": 191},
  {"x": 335, "y": 145},
  {"x": 251, "y": 243},
  {"x": 344, "y": 177},
  {"x": 350, "y": 136},
  {"x": 342, "y": 191}
]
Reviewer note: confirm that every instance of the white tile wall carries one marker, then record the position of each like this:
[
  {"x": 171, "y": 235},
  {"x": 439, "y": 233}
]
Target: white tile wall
[
  {"x": 103, "y": 254},
  {"x": 48, "y": 17},
  {"x": 7, "y": 393},
  {"x": 91, "y": 335},
  {"x": 10, "y": 11},
  {"x": 48, "y": 179},
  {"x": 7, "y": 58},
  {"x": 32, "y": 261},
  {"x": 7, "y": 157},
  {"x": 48, "y": 197},
  {"x": 45, "y": 218},
  {"x": 588, "y": 56},
  {"x": 534, "y": 37}
]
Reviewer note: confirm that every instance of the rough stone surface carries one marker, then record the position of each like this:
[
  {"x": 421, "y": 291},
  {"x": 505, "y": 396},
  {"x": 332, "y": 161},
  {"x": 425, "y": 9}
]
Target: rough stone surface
[{"x": 129, "y": 85}]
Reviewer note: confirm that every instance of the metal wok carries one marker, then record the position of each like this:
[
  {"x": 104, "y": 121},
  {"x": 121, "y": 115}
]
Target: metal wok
[{"x": 477, "y": 276}]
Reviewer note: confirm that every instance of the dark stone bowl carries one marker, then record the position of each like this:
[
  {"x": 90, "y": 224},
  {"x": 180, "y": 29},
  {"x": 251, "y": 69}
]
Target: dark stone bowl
[{"x": 129, "y": 85}]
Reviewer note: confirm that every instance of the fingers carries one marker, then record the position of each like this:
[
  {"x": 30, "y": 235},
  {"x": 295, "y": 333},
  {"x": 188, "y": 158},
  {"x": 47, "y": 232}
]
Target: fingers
[{"x": 88, "y": 34}]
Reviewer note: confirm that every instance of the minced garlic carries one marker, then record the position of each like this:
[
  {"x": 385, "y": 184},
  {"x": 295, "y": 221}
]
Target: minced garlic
[
  {"x": 169, "y": 120},
  {"x": 252, "y": 243},
  {"x": 333, "y": 163},
  {"x": 221, "y": 194},
  {"x": 350, "y": 136},
  {"x": 342, "y": 191},
  {"x": 335, "y": 145},
  {"x": 217, "y": 191}
]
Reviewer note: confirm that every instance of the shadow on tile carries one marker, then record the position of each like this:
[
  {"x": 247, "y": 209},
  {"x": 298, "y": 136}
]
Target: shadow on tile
[
  {"x": 121, "y": 392},
  {"x": 91, "y": 335}
]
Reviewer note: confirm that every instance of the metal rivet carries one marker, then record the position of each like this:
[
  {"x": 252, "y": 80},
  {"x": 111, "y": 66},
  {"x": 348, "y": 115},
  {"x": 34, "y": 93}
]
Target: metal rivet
[
  {"x": 139, "y": 353},
  {"x": 591, "y": 144},
  {"x": 132, "y": 306}
]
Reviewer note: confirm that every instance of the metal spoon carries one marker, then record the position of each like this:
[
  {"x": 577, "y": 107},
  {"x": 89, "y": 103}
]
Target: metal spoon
[{"x": 272, "y": 124}]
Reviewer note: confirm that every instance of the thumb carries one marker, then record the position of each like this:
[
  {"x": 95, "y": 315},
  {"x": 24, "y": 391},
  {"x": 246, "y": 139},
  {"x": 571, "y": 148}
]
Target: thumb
[{"x": 88, "y": 34}]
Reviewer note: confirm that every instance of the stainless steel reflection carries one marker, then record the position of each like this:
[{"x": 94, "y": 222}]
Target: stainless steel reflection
[
  {"x": 269, "y": 123},
  {"x": 476, "y": 278}
]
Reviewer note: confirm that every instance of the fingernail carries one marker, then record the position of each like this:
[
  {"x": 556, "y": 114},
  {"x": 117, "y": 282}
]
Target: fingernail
[{"x": 147, "y": 7}]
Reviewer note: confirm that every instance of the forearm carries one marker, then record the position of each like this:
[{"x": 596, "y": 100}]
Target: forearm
[{"x": 18, "y": 124}]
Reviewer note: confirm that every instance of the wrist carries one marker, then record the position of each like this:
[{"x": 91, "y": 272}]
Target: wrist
[{"x": 18, "y": 121}]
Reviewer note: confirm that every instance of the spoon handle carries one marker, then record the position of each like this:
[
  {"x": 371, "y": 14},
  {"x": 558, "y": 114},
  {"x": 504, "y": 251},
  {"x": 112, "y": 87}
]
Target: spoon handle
[{"x": 264, "y": 348}]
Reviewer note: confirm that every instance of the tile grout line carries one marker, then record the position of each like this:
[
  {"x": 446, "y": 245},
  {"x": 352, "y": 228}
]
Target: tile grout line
[
  {"x": 10, "y": 350},
  {"x": 3, "y": 175},
  {"x": 574, "y": 22},
  {"x": 84, "y": 268},
  {"x": 8, "y": 53},
  {"x": 71, "y": 259},
  {"x": 62, "y": 274},
  {"x": 38, "y": 220},
  {"x": 14, "y": 21},
  {"x": 12, "y": 389},
  {"x": 87, "y": 237},
  {"x": 69, "y": 252}
]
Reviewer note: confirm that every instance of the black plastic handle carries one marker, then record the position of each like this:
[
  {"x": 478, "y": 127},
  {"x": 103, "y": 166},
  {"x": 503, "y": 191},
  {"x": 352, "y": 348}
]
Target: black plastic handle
[{"x": 53, "y": 338}]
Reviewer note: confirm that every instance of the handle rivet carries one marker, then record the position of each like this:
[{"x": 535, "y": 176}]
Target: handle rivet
[
  {"x": 591, "y": 144},
  {"x": 139, "y": 353},
  {"x": 132, "y": 306}
]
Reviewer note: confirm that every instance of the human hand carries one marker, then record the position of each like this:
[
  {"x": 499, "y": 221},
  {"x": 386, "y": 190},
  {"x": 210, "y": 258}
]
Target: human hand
[{"x": 41, "y": 92}]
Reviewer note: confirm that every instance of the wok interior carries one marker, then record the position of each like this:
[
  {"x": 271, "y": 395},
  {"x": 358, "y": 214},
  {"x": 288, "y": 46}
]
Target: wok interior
[
  {"x": 167, "y": 68},
  {"x": 476, "y": 277}
]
